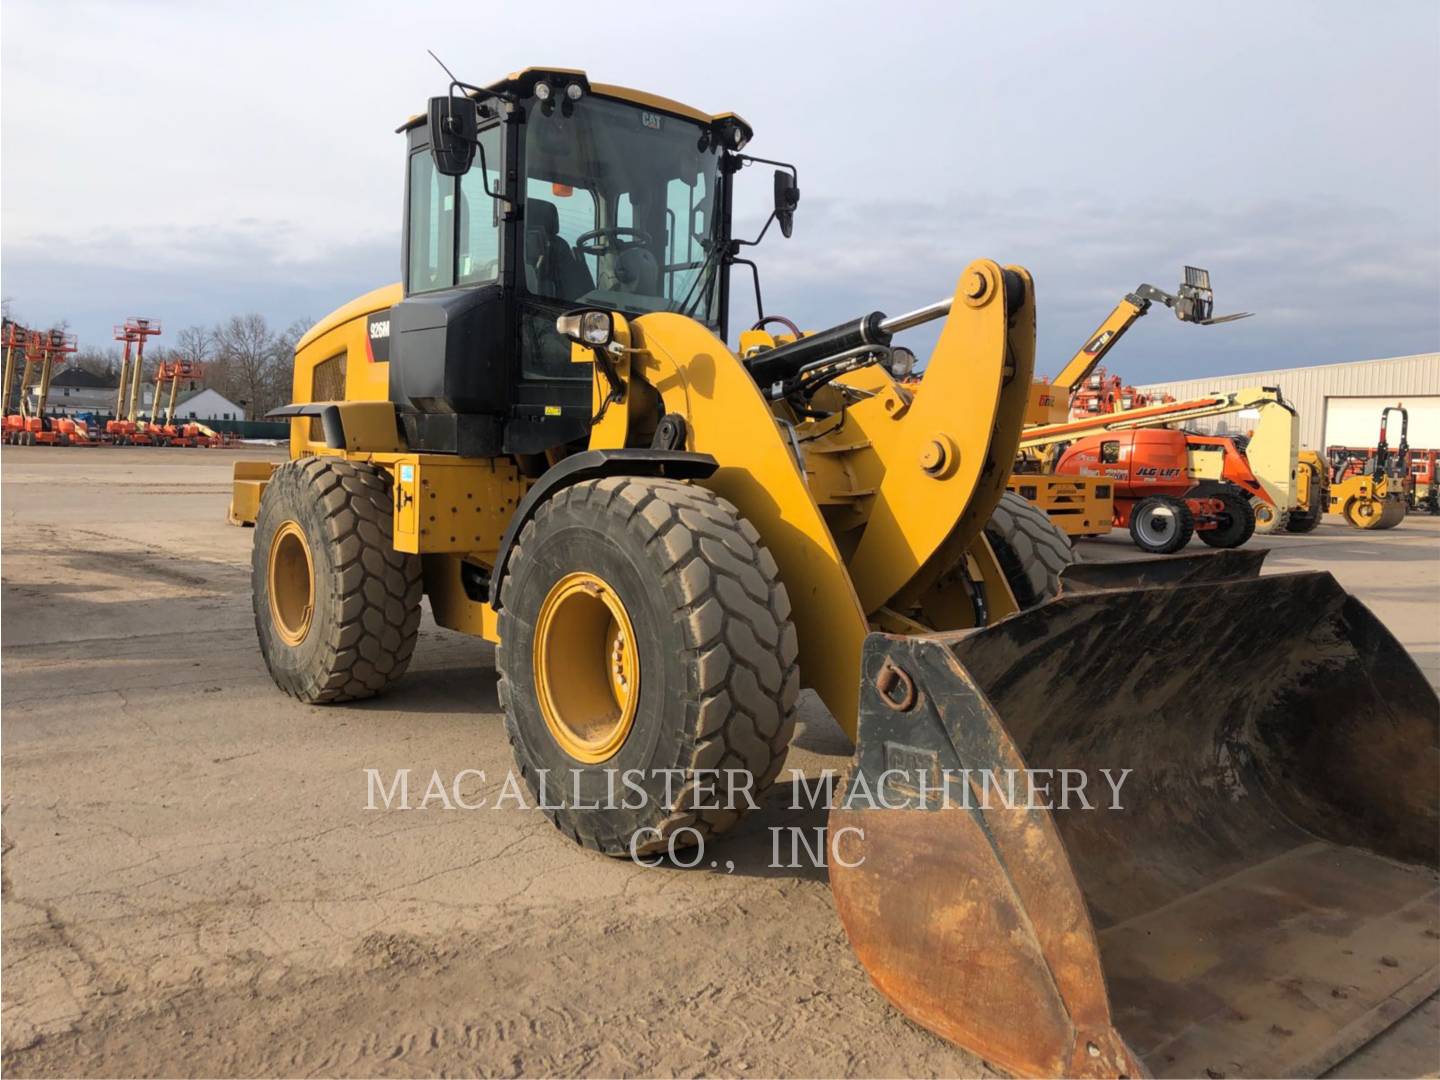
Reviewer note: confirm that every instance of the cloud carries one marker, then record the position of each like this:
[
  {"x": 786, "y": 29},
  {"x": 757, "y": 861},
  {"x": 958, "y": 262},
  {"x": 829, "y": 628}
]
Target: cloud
[
  {"x": 1328, "y": 280},
  {"x": 1288, "y": 146},
  {"x": 187, "y": 276}
]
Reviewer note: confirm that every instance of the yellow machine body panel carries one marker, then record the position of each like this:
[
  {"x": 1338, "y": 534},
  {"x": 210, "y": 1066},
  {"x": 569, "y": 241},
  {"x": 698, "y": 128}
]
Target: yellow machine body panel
[
  {"x": 1274, "y": 452},
  {"x": 334, "y": 361},
  {"x": 1049, "y": 404},
  {"x": 247, "y": 488},
  {"x": 1077, "y": 505}
]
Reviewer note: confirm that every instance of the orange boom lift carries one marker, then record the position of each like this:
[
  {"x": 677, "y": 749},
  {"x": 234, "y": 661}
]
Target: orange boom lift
[
  {"x": 16, "y": 339},
  {"x": 127, "y": 429},
  {"x": 30, "y": 427}
]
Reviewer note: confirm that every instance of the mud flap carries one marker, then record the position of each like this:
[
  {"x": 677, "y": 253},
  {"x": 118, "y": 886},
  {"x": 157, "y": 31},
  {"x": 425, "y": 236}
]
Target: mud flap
[{"x": 1264, "y": 898}]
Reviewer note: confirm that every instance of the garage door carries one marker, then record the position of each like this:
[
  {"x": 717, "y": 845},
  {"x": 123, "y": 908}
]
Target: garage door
[{"x": 1355, "y": 421}]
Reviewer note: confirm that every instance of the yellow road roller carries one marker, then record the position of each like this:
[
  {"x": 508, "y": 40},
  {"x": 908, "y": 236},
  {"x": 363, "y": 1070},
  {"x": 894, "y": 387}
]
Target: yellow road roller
[{"x": 543, "y": 430}]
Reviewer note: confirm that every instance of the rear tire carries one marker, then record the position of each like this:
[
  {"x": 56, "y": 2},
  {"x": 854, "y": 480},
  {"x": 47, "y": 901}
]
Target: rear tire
[
  {"x": 1237, "y": 522},
  {"x": 1030, "y": 548},
  {"x": 337, "y": 608},
  {"x": 686, "y": 581},
  {"x": 1161, "y": 524}
]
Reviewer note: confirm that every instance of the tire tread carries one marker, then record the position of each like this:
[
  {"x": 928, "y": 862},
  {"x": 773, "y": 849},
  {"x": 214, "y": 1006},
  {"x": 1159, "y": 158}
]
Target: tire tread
[
  {"x": 370, "y": 644},
  {"x": 738, "y": 630}
]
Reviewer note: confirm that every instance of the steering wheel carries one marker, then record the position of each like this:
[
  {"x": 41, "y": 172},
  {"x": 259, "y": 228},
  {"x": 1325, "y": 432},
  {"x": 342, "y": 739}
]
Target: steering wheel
[
  {"x": 760, "y": 324},
  {"x": 615, "y": 241}
]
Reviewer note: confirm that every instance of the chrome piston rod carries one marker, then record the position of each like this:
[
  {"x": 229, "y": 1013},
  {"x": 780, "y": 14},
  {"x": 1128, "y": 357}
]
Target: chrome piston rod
[{"x": 929, "y": 313}]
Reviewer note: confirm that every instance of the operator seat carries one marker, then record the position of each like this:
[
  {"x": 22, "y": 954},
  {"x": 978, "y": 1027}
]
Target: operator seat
[{"x": 557, "y": 270}]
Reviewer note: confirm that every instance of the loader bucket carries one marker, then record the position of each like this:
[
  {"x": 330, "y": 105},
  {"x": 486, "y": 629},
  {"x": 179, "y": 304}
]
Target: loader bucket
[{"x": 1265, "y": 898}]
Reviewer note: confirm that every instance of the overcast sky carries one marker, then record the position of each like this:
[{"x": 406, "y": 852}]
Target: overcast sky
[{"x": 189, "y": 161}]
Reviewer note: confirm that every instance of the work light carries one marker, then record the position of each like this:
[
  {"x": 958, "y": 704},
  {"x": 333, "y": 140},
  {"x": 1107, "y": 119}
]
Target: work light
[
  {"x": 592, "y": 327},
  {"x": 901, "y": 362}
]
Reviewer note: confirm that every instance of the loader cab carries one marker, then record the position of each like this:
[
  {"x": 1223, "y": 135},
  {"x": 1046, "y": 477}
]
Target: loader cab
[{"x": 576, "y": 196}]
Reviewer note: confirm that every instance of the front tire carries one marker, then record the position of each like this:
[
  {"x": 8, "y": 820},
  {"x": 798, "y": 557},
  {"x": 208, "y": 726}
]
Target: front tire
[
  {"x": 337, "y": 608},
  {"x": 644, "y": 632},
  {"x": 1030, "y": 549},
  {"x": 1161, "y": 524}
]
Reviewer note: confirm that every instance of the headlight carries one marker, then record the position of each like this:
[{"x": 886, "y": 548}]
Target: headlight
[
  {"x": 901, "y": 362},
  {"x": 587, "y": 327},
  {"x": 573, "y": 91},
  {"x": 542, "y": 91}
]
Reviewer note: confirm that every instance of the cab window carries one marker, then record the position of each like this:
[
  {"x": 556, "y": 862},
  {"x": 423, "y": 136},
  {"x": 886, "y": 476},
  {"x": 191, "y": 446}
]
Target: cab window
[
  {"x": 478, "y": 258},
  {"x": 558, "y": 214},
  {"x": 432, "y": 226},
  {"x": 645, "y": 185}
]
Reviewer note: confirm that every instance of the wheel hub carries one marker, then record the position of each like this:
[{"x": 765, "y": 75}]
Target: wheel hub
[
  {"x": 1156, "y": 524},
  {"x": 587, "y": 673},
  {"x": 292, "y": 583}
]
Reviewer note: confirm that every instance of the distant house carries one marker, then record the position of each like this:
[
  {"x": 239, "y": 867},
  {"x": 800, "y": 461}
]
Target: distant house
[
  {"x": 207, "y": 404},
  {"x": 75, "y": 390}
]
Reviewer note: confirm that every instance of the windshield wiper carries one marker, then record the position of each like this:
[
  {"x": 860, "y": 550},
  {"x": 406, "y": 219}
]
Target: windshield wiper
[{"x": 714, "y": 253}]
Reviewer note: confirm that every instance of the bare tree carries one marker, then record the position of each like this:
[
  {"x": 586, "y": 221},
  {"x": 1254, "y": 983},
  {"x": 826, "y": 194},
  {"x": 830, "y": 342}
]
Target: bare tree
[
  {"x": 246, "y": 368},
  {"x": 196, "y": 343},
  {"x": 104, "y": 362}
]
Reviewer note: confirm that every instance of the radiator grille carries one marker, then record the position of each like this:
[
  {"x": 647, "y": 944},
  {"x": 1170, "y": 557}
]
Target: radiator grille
[{"x": 327, "y": 383}]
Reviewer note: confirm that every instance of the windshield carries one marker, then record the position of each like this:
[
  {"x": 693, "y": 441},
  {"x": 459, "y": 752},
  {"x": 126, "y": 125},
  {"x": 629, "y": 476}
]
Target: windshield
[{"x": 620, "y": 210}]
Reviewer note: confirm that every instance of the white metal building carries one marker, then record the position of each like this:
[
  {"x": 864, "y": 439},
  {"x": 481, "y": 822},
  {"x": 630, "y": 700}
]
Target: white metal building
[
  {"x": 206, "y": 404},
  {"x": 1339, "y": 404}
]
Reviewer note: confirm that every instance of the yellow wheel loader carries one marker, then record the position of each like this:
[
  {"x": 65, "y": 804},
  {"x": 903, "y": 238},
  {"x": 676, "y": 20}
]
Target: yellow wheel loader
[{"x": 543, "y": 430}]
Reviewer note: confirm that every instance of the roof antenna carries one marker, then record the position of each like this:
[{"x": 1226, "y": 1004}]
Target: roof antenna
[
  {"x": 442, "y": 65},
  {"x": 475, "y": 91}
]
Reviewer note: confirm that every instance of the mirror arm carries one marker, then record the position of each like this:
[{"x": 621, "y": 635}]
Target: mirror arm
[
  {"x": 753, "y": 243},
  {"x": 749, "y": 159},
  {"x": 484, "y": 179}
]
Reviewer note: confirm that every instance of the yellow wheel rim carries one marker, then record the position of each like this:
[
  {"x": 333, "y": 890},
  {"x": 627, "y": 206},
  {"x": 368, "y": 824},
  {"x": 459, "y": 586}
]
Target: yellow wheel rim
[
  {"x": 587, "y": 676},
  {"x": 1363, "y": 513},
  {"x": 292, "y": 583}
]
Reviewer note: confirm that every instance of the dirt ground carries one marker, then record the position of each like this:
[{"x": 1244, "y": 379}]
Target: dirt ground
[{"x": 193, "y": 884}]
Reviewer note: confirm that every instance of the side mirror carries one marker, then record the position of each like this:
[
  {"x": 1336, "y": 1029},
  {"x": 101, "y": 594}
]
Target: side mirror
[
  {"x": 454, "y": 122},
  {"x": 787, "y": 197}
]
